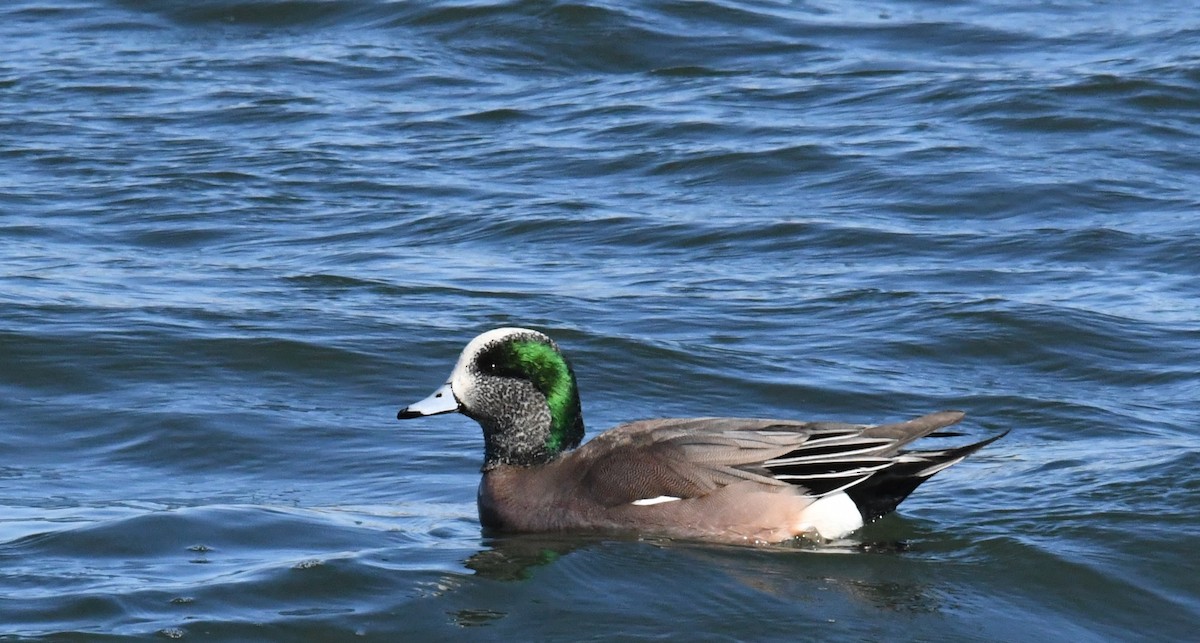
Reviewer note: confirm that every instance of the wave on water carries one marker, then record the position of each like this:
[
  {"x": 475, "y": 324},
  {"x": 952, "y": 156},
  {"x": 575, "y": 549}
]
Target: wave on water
[{"x": 236, "y": 236}]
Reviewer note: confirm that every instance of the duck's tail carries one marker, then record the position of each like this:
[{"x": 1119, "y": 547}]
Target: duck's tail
[{"x": 880, "y": 493}]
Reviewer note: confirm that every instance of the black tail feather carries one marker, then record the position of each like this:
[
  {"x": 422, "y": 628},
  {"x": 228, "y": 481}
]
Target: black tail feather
[{"x": 880, "y": 494}]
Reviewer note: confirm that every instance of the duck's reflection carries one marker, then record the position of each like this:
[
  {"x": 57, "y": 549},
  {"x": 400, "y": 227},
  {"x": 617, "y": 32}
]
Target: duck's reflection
[
  {"x": 515, "y": 557},
  {"x": 880, "y": 572}
]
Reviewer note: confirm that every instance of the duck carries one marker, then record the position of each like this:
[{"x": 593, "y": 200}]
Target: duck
[{"x": 730, "y": 480}]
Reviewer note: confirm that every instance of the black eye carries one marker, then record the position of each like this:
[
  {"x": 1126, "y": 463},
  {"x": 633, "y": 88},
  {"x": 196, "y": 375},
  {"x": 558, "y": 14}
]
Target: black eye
[
  {"x": 486, "y": 362},
  {"x": 494, "y": 361}
]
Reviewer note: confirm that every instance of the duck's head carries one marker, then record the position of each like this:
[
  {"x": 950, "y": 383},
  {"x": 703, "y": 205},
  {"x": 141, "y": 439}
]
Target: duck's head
[{"x": 520, "y": 388}]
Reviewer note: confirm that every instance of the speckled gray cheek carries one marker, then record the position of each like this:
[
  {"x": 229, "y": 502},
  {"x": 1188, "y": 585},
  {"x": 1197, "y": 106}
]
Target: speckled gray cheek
[{"x": 514, "y": 417}]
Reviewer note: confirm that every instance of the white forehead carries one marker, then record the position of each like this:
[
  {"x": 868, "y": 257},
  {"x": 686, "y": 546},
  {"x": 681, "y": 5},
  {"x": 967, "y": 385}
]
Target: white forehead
[{"x": 488, "y": 338}]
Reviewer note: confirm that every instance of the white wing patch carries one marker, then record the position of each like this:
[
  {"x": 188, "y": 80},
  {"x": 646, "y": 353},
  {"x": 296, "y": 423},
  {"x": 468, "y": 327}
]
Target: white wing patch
[{"x": 646, "y": 502}]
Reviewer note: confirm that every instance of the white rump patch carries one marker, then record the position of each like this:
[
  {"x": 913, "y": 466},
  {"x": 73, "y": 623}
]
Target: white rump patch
[
  {"x": 831, "y": 517},
  {"x": 646, "y": 502}
]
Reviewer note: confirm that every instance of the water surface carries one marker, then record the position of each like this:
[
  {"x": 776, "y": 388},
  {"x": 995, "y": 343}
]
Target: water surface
[{"x": 236, "y": 236}]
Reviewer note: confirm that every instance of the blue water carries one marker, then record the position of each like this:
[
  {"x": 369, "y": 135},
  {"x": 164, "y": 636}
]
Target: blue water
[{"x": 236, "y": 237}]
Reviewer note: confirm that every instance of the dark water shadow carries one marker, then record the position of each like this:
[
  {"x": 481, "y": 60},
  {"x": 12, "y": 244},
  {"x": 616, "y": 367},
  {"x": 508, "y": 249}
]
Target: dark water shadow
[
  {"x": 883, "y": 572},
  {"x": 515, "y": 557}
]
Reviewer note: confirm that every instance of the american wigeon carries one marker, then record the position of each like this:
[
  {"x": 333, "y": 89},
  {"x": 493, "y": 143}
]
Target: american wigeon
[{"x": 727, "y": 479}]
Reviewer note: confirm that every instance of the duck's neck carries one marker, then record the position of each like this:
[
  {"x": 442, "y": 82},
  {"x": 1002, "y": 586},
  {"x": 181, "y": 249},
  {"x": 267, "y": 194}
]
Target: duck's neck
[{"x": 533, "y": 437}]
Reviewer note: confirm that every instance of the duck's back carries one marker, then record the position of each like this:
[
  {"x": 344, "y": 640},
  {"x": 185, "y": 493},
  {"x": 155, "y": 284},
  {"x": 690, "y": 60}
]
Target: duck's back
[{"x": 723, "y": 478}]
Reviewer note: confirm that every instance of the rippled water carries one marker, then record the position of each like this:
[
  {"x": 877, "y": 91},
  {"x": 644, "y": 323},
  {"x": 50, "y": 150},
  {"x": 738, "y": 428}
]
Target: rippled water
[{"x": 235, "y": 237}]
